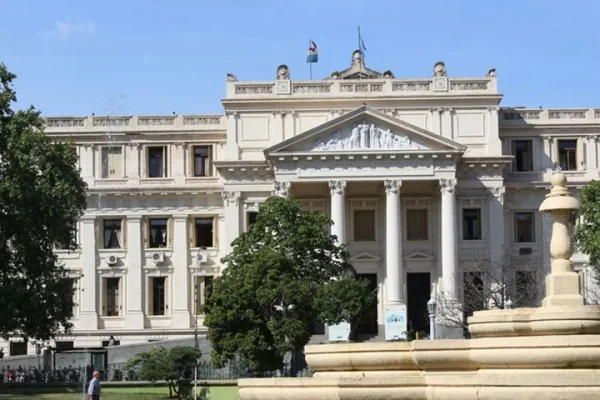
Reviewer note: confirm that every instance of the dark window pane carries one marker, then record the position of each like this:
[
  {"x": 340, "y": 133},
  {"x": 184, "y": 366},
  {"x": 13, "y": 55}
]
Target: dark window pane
[
  {"x": 567, "y": 154},
  {"x": 524, "y": 227},
  {"x": 522, "y": 151},
  {"x": 201, "y": 161},
  {"x": 113, "y": 237},
  {"x": 204, "y": 232},
  {"x": 252, "y": 215},
  {"x": 158, "y": 232},
  {"x": 112, "y": 297},
  {"x": 158, "y": 296},
  {"x": 472, "y": 224},
  {"x": 156, "y": 162}
]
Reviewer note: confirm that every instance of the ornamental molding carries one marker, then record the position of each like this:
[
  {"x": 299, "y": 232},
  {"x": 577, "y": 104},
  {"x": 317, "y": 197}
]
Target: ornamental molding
[
  {"x": 447, "y": 186},
  {"x": 392, "y": 186},
  {"x": 231, "y": 198},
  {"x": 337, "y": 188},
  {"x": 282, "y": 189},
  {"x": 498, "y": 193}
]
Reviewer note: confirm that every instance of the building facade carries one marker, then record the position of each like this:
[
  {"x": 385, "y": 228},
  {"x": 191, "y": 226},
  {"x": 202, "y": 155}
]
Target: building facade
[{"x": 420, "y": 176}]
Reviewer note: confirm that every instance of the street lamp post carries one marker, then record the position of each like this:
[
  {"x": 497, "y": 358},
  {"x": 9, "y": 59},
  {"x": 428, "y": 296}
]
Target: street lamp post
[
  {"x": 284, "y": 310},
  {"x": 431, "y": 306},
  {"x": 509, "y": 303}
]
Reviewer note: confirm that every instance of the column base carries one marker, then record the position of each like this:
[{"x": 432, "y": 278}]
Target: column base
[
  {"x": 134, "y": 320},
  {"x": 562, "y": 289},
  {"x": 181, "y": 319},
  {"x": 88, "y": 321}
]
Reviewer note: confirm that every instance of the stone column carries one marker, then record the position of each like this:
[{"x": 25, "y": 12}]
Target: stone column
[
  {"x": 393, "y": 243},
  {"x": 282, "y": 189},
  {"x": 89, "y": 282},
  {"x": 338, "y": 210},
  {"x": 231, "y": 203},
  {"x": 449, "y": 243},
  {"x": 181, "y": 273},
  {"x": 134, "y": 316}
]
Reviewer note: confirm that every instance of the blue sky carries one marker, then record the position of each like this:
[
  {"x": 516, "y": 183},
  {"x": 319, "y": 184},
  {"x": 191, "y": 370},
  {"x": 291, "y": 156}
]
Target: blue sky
[{"x": 80, "y": 57}]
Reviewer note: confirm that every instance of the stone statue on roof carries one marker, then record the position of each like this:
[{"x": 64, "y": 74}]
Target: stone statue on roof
[
  {"x": 439, "y": 69},
  {"x": 283, "y": 73}
]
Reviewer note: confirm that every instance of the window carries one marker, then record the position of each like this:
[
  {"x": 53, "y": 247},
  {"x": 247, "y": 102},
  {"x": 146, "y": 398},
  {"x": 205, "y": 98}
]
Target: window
[
  {"x": 252, "y": 215},
  {"x": 202, "y": 165},
  {"x": 471, "y": 223},
  {"x": 112, "y": 162},
  {"x": 112, "y": 297},
  {"x": 64, "y": 345},
  {"x": 203, "y": 285},
  {"x": 417, "y": 224},
  {"x": 158, "y": 232},
  {"x": 17, "y": 348},
  {"x": 204, "y": 232},
  {"x": 522, "y": 151},
  {"x": 364, "y": 225},
  {"x": 113, "y": 237},
  {"x": 524, "y": 227},
  {"x": 157, "y": 296},
  {"x": 64, "y": 243},
  {"x": 567, "y": 154},
  {"x": 157, "y": 162}
]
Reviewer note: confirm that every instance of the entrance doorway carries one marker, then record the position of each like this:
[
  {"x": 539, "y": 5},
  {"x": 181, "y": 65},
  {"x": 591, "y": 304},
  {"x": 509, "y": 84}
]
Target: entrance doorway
[
  {"x": 368, "y": 325},
  {"x": 418, "y": 293}
]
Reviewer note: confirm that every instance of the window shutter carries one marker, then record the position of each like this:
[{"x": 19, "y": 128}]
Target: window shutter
[
  {"x": 150, "y": 296},
  {"x": 192, "y": 232},
  {"x": 190, "y": 157},
  {"x": 145, "y": 232},
  {"x": 100, "y": 233},
  {"x": 210, "y": 160},
  {"x": 120, "y": 298},
  {"x": 167, "y": 294},
  {"x": 124, "y": 233},
  {"x": 170, "y": 229},
  {"x": 166, "y": 162},
  {"x": 216, "y": 232},
  {"x": 104, "y": 295}
]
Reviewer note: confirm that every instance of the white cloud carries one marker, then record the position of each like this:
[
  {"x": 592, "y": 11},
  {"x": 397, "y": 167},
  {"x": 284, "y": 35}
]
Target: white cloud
[{"x": 67, "y": 28}]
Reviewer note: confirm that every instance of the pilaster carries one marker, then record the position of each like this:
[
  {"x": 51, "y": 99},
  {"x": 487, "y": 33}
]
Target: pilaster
[
  {"x": 134, "y": 316},
  {"x": 231, "y": 203},
  {"x": 446, "y": 122},
  {"x": 89, "y": 282},
  {"x": 288, "y": 124},
  {"x": 181, "y": 275},
  {"x": 232, "y": 149}
]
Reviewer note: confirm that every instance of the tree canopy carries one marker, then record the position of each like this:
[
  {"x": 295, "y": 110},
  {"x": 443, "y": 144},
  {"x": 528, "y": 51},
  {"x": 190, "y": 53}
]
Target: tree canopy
[
  {"x": 42, "y": 196},
  {"x": 587, "y": 232},
  {"x": 285, "y": 273},
  {"x": 174, "y": 365}
]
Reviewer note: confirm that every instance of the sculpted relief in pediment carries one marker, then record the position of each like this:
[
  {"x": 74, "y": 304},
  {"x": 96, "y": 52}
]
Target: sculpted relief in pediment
[{"x": 365, "y": 136}]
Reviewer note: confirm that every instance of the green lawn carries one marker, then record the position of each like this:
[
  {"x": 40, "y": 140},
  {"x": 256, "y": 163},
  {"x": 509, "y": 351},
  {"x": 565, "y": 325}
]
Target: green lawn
[{"x": 148, "y": 393}]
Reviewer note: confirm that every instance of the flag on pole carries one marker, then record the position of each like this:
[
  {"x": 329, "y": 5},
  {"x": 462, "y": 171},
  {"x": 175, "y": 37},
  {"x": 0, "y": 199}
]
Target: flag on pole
[
  {"x": 313, "y": 54},
  {"x": 361, "y": 44}
]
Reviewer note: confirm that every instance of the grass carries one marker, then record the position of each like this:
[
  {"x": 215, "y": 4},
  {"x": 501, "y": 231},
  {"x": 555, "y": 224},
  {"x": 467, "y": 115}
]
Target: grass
[{"x": 142, "y": 393}]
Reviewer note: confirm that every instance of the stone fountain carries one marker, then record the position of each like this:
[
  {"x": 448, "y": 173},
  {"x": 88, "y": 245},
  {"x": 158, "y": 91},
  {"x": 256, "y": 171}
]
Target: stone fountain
[{"x": 549, "y": 353}]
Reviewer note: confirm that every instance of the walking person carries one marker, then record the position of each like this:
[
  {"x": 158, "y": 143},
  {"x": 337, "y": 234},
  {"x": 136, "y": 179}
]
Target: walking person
[{"x": 94, "y": 387}]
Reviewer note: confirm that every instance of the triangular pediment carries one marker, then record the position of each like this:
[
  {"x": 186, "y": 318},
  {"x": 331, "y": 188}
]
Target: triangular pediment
[
  {"x": 365, "y": 130},
  {"x": 365, "y": 257},
  {"x": 418, "y": 256}
]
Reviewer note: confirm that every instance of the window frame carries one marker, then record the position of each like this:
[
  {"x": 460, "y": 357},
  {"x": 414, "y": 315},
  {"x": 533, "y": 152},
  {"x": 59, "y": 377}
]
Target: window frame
[
  {"x": 366, "y": 204},
  {"x": 149, "y": 232},
  {"x": 195, "y": 231},
  {"x": 514, "y": 154},
  {"x": 462, "y": 222},
  {"x": 573, "y": 150},
  {"x": 165, "y": 161},
  {"x": 104, "y": 157},
  {"x": 120, "y": 296},
  {"x": 209, "y": 160},
  {"x": 533, "y": 226},
  {"x": 123, "y": 224},
  {"x": 150, "y": 296}
]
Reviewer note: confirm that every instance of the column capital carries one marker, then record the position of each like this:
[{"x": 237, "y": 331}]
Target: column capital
[
  {"x": 498, "y": 192},
  {"x": 231, "y": 198},
  {"x": 547, "y": 138},
  {"x": 392, "y": 186},
  {"x": 447, "y": 186},
  {"x": 337, "y": 187},
  {"x": 282, "y": 189}
]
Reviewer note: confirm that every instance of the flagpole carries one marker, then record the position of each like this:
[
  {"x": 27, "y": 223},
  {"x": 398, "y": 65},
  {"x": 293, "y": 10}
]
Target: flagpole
[
  {"x": 361, "y": 54},
  {"x": 310, "y": 63}
]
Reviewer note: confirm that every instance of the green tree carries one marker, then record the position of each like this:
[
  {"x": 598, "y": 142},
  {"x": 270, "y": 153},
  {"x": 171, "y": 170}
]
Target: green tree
[
  {"x": 587, "y": 232},
  {"x": 42, "y": 196},
  {"x": 174, "y": 365},
  {"x": 283, "y": 274}
]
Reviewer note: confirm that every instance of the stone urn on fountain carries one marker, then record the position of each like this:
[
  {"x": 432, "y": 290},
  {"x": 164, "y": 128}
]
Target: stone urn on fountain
[{"x": 551, "y": 352}]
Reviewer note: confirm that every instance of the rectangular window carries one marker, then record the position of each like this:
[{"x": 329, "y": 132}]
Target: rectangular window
[
  {"x": 567, "y": 154},
  {"x": 157, "y": 162},
  {"x": 204, "y": 232},
  {"x": 112, "y": 293},
  {"x": 17, "y": 348},
  {"x": 522, "y": 151},
  {"x": 252, "y": 215},
  {"x": 157, "y": 232},
  {"x": 113, "y": 237},
  {"x": 471, "y": 220},
  {"x": 417, "y": 224},
  {"x": 158, "y": 304},
  {"x": 364, "y": 225},
  {"x": 112, "y": 162},
  {"x": 524, "y": 227},
  {"x": 65, "y": 345},
  {"x": 203, "y": 286},
  {"x": 202, "y": 165}
]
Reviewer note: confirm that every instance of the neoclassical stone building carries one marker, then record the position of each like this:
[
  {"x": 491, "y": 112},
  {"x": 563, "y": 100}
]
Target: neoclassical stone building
[{"x": 419, "y": 176}]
